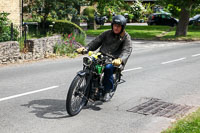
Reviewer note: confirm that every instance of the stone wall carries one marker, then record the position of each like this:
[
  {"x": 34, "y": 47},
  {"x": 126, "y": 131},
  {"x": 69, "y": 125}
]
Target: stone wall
[
  {"x": 9, "y": 52},
  {"x": 14, "y": 8},
  {"x": 35, "y": 49},
  {"x": 41, "y": 48}
]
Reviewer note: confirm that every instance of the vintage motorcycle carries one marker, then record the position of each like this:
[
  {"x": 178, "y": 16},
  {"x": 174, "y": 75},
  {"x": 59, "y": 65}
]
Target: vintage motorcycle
[
  {"x": 100, "y": 20},
  {"x": 87, "y": 84}
]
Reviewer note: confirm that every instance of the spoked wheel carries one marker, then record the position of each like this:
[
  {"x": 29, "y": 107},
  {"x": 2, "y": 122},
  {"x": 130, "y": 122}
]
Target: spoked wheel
[{"x": 76, "y": 98}]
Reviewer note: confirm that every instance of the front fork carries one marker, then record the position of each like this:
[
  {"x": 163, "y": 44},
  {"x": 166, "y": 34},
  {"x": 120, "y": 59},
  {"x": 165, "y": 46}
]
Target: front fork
[
  {"x": 88, "y": 76},
  {"x": 93, "y": 86}
]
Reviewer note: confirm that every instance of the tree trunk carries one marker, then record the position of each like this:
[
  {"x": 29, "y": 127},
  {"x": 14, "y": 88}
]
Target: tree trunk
[
  {"x": 44, "y": 21},
  {"x": 90, "y": 24},
  {"x": 182, "y": 27},
  {"x": 76, "y": 19}
]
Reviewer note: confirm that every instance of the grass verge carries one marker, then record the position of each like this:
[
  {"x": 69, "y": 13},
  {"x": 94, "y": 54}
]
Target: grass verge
[
  {"x": 153, "y": 32},
  {"x": 189, "y": 124},
  {"x": 192, "y": 34}
]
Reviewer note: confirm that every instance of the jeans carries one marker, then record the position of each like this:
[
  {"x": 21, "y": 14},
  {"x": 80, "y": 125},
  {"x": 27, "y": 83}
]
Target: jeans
[{"x": 108, "y": 80}]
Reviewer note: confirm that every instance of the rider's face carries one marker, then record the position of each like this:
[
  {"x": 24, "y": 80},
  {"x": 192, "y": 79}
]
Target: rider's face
[{"x": 117, "y": 28}]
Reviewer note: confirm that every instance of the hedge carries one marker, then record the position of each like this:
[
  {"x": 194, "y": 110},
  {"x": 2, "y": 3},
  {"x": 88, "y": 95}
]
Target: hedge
[
  {"x": 59, "y": 26},
  {"x": 89, "y": 12},
  {"x": 66, "y": 27}
]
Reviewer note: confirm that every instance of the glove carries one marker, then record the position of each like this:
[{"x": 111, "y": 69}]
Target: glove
[
  {"x": 117, "y": 62},
  {"x": 81, "y": 50}
]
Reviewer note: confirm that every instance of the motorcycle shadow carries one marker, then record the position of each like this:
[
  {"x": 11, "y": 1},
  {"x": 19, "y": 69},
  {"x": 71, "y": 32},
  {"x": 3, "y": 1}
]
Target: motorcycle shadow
[
  {"x": 94, "y": 106},
  {"x": 48, "y": 108}
]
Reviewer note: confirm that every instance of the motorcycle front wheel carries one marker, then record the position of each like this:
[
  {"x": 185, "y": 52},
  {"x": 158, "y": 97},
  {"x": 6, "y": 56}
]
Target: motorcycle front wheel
[{"x": 76, "y": 98}]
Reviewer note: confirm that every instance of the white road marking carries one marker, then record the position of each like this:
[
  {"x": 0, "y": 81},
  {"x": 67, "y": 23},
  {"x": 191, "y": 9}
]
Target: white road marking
[
  {"x": 137, "y": 68},
  {"x": 171, "y": 61},
  {"x": 27, "y": 93},
  {"x": 53, "y": 87},
  {"x": 195, "y": 55}
]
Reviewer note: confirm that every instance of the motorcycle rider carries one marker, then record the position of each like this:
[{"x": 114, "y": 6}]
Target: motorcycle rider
[{"x": 116, "y": 43}]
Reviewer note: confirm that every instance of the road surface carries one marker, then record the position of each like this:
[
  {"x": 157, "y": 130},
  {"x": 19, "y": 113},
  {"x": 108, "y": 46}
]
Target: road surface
[{"x": 32, "y": 98}]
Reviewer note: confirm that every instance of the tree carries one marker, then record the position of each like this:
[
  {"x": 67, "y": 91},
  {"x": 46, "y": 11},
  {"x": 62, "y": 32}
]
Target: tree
[
  {"x": 175, "y": 11},
  {"x": 5, "y": 30},
  {"x": 56, "y": 9},
  {"x": 186, "y": 7},
  {"x": 138, "y": 10},
  {"x": 107, "y": 7},
  {"x": 195, "y": 11},
  {"x": 76, "y": 6},
  {"x": 89, "y": 12}
]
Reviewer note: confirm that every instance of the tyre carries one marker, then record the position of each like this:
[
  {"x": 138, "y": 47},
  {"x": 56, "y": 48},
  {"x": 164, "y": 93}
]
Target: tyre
[{"x": 76, "y": 98}]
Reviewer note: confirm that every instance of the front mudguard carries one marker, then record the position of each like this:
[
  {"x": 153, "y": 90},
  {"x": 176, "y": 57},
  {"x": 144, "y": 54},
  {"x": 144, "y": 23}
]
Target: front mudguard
[
  {"x": 88, "y": 76},
  {"x": 82, "y": 73}
]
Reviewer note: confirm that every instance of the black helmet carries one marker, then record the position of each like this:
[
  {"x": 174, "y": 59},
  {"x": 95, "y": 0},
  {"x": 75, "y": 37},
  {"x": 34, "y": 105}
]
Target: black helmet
[{"x": 119, "y": 19}]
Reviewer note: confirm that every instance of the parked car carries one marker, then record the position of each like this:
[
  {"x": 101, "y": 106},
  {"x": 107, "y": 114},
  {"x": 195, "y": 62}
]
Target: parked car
[
  {"x": 196, "y": 18},
  {"x": 162, "y": 19}
]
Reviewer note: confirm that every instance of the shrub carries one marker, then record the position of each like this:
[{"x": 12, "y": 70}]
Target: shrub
[
  {"x": 137, "y": 9},
  {"x": 5, "y": 28},
  {"x": 69, "y": 46},
  {"x": 89, "y": 12},
  {"x": 56, "y": 26},
  {"x": 66, "y": 27},
  {"x": 130, "y": 17}
]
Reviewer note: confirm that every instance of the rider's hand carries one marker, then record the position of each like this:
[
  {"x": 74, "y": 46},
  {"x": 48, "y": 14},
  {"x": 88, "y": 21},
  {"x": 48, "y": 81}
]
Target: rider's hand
[
  {"x": 81, "y": 50},
  {"x": 117, "y": 62}
]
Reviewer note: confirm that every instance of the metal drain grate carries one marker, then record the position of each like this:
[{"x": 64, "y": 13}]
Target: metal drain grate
[{"x": 159, "y": 108}]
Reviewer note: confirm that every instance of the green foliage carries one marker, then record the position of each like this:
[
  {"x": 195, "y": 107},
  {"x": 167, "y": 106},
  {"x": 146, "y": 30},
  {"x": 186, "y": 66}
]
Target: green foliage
[
  {"x": 5, "y": 28},
  {"x": 55, "y": 9},
  {"x": 180, "y": 3},
  {"x": 107, "y": 7},
  {"x": 89, "y": 12},
  {"x": 64, "y": 49},
  {"x": 138, "y": 10},
  {"x": 130, "y": 17},
  {"x": 66, "y": 27},
  {"x": 80, "y": 38},
  {"x": 174, "y": 10},
  {"x": 69, "y": 46},
  {"x": 195, "y": 11},
  {"x": 136, "y": 32},
  {"x": 30, "y": 35},
  {"x": 151, "y": 32},
  {"x": 21, "y": 42},
  {"x": 186, "y": 7},
  {"x": 175, "y": 6},
  {"x": 149, "y": 9},
  {"x": 192, "y": 34},
  {"x": 189, "y": 124},
  {"x": 57, "y": 27}
]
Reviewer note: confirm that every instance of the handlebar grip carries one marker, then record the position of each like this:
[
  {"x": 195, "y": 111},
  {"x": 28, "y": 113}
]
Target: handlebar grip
[{"x": 84, "y": 51}]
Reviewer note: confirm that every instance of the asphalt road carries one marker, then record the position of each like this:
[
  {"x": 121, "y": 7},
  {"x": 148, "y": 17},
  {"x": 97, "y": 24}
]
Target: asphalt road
[{"x": 32, "y": 95}]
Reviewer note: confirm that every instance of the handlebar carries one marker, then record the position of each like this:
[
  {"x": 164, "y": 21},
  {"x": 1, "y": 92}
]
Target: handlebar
[
  {"x": 107, "y": 58},
  {"x": 82, "y": 52}
]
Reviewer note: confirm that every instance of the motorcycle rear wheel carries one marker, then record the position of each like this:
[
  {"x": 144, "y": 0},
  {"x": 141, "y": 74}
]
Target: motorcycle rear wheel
[{"x": 76, "y": 98}]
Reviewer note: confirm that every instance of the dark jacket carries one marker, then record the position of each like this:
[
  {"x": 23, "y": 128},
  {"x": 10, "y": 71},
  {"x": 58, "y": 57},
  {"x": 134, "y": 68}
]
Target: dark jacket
[{"x": 112, "y": 44}]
